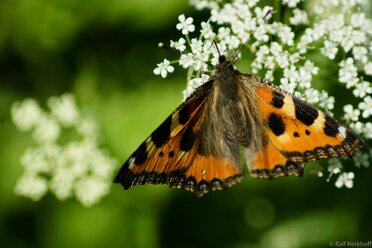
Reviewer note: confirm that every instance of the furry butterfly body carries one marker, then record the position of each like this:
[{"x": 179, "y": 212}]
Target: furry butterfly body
[{"x": 197, "y": 148}]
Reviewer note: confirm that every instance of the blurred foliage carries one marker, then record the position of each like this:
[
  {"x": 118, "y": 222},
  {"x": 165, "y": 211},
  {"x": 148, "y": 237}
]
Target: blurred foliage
[{"x": 104, "y": 52}]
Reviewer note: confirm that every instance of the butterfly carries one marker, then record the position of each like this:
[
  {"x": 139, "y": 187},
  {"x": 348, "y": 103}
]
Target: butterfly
[{"x": 198, "y": 147}]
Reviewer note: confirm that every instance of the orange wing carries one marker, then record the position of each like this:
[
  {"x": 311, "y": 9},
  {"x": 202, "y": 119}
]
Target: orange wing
[
  {"x": 173, "y": 154},
  {"x": 297, "y": 133},
  {"x": 208, "y": 173},
  {"x": 168, "y": 152}
]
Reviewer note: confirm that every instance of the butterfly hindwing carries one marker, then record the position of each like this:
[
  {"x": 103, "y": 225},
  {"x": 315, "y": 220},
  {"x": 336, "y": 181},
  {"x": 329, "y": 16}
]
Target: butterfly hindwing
[
  {"x": 298, "y": 131},
  {"x": 208, "y": 173},
  {"x": 269, "y": 162}
]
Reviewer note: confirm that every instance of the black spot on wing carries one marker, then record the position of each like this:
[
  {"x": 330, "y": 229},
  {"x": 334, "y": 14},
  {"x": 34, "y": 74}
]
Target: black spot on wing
[
  {"x": 188, "y": 139},
  {"x": 296, "y": 134},
  {"x": 140, "y": 154},
  {"x": 307, "y": 132},
  {"x": 184, "y": 114},
  {"x": 171, "y": 154},
  {"x": 351, "y": 138},
  {"x": 278, "y": 99},
  {"x": 186, "y": 110},
  {"x": 330, "y": 126},
  {"x": 162, "y": 133},
  {"x": 276, "y": 124},
  {"x": 123, "y": 172},
  {"x": 304, "y": 112}
]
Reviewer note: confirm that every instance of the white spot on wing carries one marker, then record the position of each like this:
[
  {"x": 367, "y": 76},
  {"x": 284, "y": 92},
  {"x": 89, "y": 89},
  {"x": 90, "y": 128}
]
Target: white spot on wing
[
  {"x": 289, "y": 107},
  {"x": 131, "y": 163},
  {"x": 342, "y": 131},
  {"x": 284, "y": 138}
]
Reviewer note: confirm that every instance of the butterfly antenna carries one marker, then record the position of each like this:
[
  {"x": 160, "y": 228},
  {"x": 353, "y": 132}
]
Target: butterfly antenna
[
  {"x": 247, "y": 40},
  {"x": 218, "y": 50}
]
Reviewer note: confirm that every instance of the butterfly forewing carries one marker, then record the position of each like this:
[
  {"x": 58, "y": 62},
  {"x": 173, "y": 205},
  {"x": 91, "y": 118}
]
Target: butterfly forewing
[
  {"x": 168, "y": 151},
  {"x": 297, "y": 133}
]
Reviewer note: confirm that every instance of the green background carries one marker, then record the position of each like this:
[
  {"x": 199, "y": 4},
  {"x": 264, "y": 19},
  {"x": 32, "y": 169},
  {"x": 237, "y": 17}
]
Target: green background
[{"x": 104, "y": 52}]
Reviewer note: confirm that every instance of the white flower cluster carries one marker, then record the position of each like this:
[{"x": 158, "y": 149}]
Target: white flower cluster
[
  {"x": 336, "y": 29},
  {"x": 67, "y": 160}
]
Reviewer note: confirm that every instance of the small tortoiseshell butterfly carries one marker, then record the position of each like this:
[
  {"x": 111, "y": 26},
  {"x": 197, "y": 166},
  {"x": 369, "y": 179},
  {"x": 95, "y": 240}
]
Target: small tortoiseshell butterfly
[{"x": 197, "y": 148}]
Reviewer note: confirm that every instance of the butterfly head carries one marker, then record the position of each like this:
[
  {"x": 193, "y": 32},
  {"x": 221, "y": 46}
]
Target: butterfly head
[{"x": 224, "y": 64}]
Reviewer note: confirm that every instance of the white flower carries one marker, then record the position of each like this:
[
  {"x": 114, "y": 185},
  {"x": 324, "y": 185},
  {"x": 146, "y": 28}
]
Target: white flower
[
  {"x": 185, "y": 24},
  {"x": 348, "y": 73},
  {"x": 334, "y": 166},
  {"x": 196, "y": 46},
  {"x": 261, "y": 34},
  {"x": 207, "y": 30},
  {"x": 275, "y": 48},
  {"x": 26, "y": 114},
  {"x": 357, "y": 19},
  {"x": 319, "y": 30},
  {"x": 358, "y": 127},
  {"x": 269, "y": 62},
  {"x": 362, "y": 89},
  {"x": 90, "y": 190},
  {"x": 360, "y": 53},
  {"x": 286, "y": 85},
  {"x": 202, "y": 4},
  {"x": 312, "y": 96},
  {"x": 223, "y": 33},
  {"x": 88, "y": 129},
  {"x": 31, "y": 186},
  {"x": 64, "y": 109},
  {"x": 347, "y": 37},
  {"x": 283, "y": 59},
  {"x": 292, "y": 74},
  {"x": 366, "y": 107},
  {"x": 325, "y": 101},
  {"x": 368, "y": 131},
  {"x": 199, "y": 62},
  {"x": 35, "y": 161},
  {"x": 299, "y": 17},
  {"x": 163, "y": 68},
  {"x": 368, "y": 68},
  {"x": 178, "y": 45},
  {"x": 47, "y": 130},
  {"x": 286, "y": 35},
  {"x": 262, "y": 53},
  {"x": 62, "y": 183},
  {"x": 102, "y": 166},
  {"x": 345, "y": 179},
  {"x": 351, "y": 114},
  {"x": 310, "y": 67},
  {"x": 63, "y": 168},
  {"x": 186, "y": 60},
  {"x": 318, "y": 9},
  {"x": 361, "y": 159},
  {"x": 262, "y": 12},
  {"x": 330, "y": 49},
  {"x": 295, "y": 58},
  {"x": 291, "y": 3},
  {"x": 193, "y": 84},
  {"x": 233, "y": 42}
]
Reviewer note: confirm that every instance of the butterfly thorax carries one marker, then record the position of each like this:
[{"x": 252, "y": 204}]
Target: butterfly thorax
[{"x": 230, "y": 118}]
